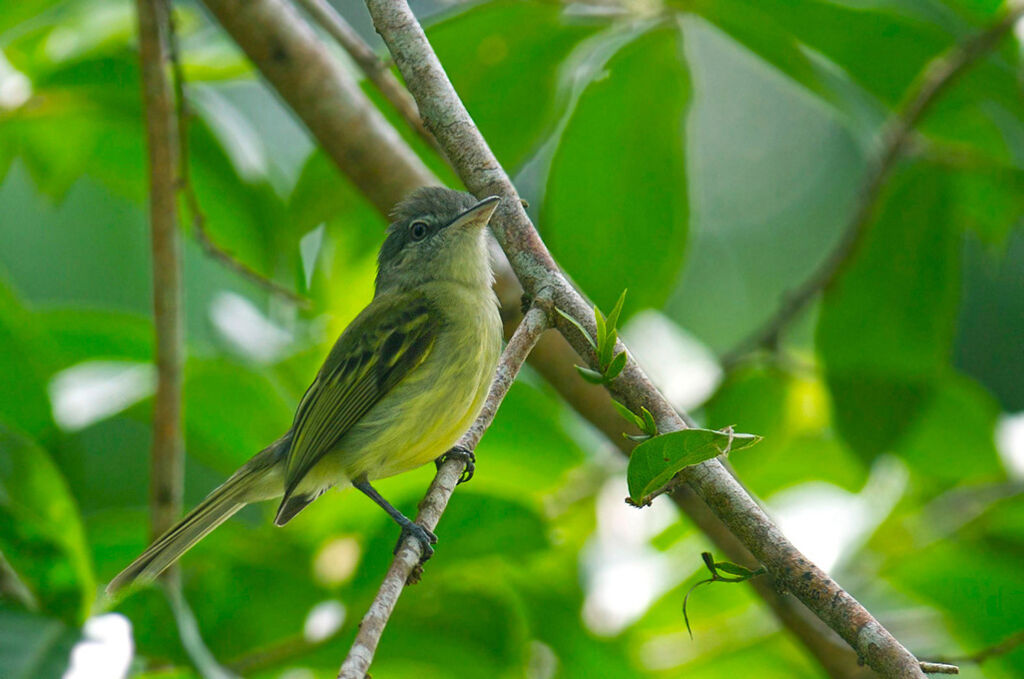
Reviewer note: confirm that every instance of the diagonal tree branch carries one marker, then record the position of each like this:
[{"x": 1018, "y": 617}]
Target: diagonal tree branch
[
  {"x": 552, "y": 357},
  {"x": 406, "y": 562},
  {"x": 446, "y": 116},
  {"x": 896, "y": 136},
  {"x": 376, "y": 70},
  {"x": 166, "y": 464}
]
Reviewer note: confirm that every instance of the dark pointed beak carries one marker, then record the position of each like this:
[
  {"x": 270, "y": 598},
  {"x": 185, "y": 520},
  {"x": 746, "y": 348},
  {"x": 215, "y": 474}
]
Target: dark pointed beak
[{"x": 476, "y": 216}]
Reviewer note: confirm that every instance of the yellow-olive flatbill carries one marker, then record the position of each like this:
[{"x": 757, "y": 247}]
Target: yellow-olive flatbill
[{"x": 403, "y": 382}]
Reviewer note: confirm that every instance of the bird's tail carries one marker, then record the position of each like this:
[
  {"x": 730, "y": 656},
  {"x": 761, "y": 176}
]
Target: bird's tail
[{"x": 259, "y": 479}]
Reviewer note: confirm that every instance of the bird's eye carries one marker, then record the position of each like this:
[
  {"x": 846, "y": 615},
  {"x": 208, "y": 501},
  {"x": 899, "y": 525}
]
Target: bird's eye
[{"x": 418, "y": 230}]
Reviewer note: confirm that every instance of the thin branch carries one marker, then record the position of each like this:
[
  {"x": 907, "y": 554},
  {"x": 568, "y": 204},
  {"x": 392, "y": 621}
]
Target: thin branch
[
  {"x": 166, "y": 464},
  {"x": 934, "y": 80},
  {"x": 184, "y": 114},
  {"x": 406, "y": 561},
  {"x": 328, "y": 112},
  {"x": 939, "y": 668},
  {"x": 446, "y": 116},
  {"x": 375, "y": 69}
]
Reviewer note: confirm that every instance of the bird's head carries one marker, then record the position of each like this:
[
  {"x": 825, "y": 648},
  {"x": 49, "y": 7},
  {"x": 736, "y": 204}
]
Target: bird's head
[{"x": 436, "y": 234}]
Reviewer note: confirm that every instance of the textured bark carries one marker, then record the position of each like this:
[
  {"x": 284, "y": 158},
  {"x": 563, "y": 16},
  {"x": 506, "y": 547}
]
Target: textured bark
[{"x": 166, "y": 465}]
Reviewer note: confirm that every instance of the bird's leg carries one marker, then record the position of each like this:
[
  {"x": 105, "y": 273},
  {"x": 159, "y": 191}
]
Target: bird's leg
[
  {"x": 409, "y": 528},
  {"x": 467, "y": 457}
]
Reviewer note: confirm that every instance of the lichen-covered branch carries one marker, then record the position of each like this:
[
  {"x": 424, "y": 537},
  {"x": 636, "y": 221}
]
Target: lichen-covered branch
[
  {"x": 446, "y": 116},
  {"x": 935, "y": 79},
  {"x": 166, "y": 465},
  {"x": 360, "y": 655}
]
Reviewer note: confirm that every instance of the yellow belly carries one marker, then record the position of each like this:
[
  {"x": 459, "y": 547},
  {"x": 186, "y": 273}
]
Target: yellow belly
[{"x": 426, "y": 413}]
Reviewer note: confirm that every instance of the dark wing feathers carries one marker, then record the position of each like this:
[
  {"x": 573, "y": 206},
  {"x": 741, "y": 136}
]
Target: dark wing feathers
[{"x": 383, "y": 345}]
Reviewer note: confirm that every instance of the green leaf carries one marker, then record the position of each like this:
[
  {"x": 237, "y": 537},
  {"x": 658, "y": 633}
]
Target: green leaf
[
  {"x": 33, "y": 646},
  {"x": 589, "y": 375},
  {"x": 26, "y": 363},
  {"x": 650, "y": 426},
  {"x": 761, "y": 33},
  {"x": 41, "y": 534},
  {"x": 853, "y": 36},
  {"x": 613, "y": 317},
  {"x": 608, "y": 349},
  {"x": 654, "y": 462},
  {"x": 991, "y": 324},
  {"x": 615, "y": 367},
  {"x": 736, "y": 569},
  {"x": 628, "y": 415},
  {"x": 636, "y": 185},
  {"x": 602, "y": 331},
  {"x": 516, "y": 49},
  {"x": 887, "y": 324},
  {"x": 579, "y": 326},
  {"x": 737, "y": 269}
]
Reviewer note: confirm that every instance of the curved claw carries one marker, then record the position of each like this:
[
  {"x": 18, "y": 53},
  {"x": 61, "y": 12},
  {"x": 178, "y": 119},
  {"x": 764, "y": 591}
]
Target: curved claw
[
  {"x": 422, "y": 535},
  {"x": 468, "y": 460}
]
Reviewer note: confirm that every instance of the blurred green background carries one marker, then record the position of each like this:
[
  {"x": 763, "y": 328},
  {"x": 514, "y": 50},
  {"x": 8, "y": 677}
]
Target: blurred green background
[{"x": 706, "y": 154}]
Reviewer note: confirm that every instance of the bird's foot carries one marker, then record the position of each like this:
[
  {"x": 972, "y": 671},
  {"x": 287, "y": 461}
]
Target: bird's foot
[
  {"x": 467, "y": 457},
  {"x": 421, "y": 534}
]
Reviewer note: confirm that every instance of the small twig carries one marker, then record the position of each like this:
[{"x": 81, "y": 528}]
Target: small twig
[
  {"x": 375, "y": 69},
  {"x": 166, "y": 459},
  {"x": 739, "y": 574},
  {"x": 935, "y": 78},
  {"x": 185, "y": 185},
  {"x": 406, "y": 561},
  {"x": 939, "y": 668}
]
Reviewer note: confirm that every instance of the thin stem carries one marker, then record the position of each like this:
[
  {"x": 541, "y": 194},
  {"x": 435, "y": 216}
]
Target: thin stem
[
  {"x": 375, "y": 69},
  {"x": 407, "y": 560},
  {"x": 166, "y": 465},
  {"x": 897, "y": 134}
]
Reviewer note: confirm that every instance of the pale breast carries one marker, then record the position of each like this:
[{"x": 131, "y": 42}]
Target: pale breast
[{"x": 429, "y": 410}]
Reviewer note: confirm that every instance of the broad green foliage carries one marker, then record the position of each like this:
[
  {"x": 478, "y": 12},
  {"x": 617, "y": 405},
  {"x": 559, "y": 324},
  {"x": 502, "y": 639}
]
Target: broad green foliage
[
  {"x": 705, "y": 154},
  {"x": 613, "y": 218},
  {"x": 504, "y": 60},
  {"x": 40, "y": 531},
  {"x": 34, "y": 647},
  {"x": 887, "y": 325}
]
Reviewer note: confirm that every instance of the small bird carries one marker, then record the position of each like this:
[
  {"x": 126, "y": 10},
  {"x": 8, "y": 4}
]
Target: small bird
[{"x": 404, "y": 380}]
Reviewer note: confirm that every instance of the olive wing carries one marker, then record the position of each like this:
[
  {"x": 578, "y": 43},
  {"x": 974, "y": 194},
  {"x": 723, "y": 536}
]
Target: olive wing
[{"x": 385, "y": 343}]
